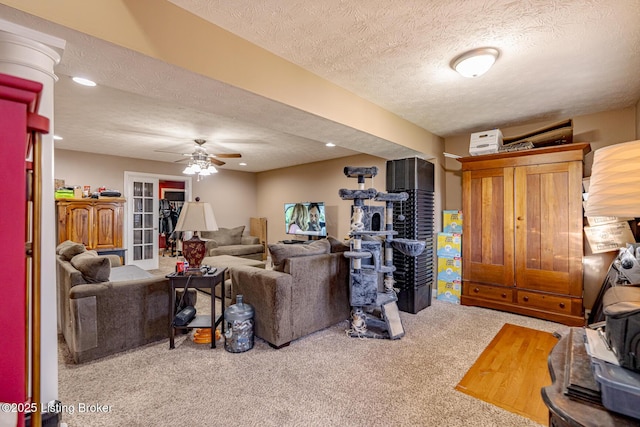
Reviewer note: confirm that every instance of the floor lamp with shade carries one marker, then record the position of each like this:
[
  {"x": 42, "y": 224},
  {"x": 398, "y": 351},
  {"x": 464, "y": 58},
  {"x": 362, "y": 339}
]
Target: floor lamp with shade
[{"x": 195, "y": 216}]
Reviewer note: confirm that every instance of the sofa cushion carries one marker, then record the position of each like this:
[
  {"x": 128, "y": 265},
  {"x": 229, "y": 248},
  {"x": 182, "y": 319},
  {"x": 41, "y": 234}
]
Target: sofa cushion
[
  {"x": 225, "y": 236},
  {"x": 94, "y": 268},
  {"x": 280, "y": 252},
  {"x": 337, "y": 245},
  {"x": 68, "y": 249}
]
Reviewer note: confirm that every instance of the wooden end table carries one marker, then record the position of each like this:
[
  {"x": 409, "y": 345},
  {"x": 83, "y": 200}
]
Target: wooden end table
[
  {"x": 207, "y": 281},
  {"x": 567, "y": 412}
]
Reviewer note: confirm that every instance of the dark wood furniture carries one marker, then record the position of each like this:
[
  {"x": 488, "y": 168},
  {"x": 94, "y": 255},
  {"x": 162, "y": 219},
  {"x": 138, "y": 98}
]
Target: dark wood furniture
[
  {"x": 121, "y": 252},
  {"x": 522, "y": 233},
  {"x": 563, "y": 410},
  {"x": 208, "y": 281},
  {"x": 96, "y": 223}
]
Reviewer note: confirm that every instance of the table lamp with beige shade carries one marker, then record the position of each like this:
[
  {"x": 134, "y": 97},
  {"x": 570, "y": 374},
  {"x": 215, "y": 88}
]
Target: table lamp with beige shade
[
  {"x": 195, "y": 216},
  {"x": 614, "y": 186}
]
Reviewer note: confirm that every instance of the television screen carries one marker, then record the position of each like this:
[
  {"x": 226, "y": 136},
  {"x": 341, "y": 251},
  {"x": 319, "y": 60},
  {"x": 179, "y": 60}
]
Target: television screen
[{"x": 305, "y": 218}]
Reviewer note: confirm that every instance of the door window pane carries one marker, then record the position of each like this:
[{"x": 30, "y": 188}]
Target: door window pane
[
  {"x": 137, "y": 189},
  {"x": 148, "y": 189}
]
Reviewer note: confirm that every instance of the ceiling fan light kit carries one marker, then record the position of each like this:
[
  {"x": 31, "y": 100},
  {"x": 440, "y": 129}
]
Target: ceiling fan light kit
[
  {"x": 476, "y": 62},
  {"x": 200, "y": 162}
]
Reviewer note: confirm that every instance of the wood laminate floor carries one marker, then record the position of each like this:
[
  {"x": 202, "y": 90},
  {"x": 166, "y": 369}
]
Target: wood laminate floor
[{"x": 511, "y": 371}]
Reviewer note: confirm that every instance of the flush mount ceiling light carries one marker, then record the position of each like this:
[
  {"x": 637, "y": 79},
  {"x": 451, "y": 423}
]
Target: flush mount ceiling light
[{"x": 476, "y": 62}]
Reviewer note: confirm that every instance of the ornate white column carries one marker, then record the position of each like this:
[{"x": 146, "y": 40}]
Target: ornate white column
[{"x": 32, "y": 55}]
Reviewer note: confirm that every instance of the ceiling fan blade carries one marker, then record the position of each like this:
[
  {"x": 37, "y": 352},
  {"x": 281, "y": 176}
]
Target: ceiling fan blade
[
  {"x": 181, "y": 160},
  {"x": 227, "y": 156},
  {"x": 168, "y": 152},
  {"x": 216, "y": 161}
]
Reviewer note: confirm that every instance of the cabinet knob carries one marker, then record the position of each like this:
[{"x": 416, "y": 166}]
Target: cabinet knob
[
  {"x": 561, "y": 305},
  {"x": 525, "y": 299},
  {"x": 504, "y": 295},
  {"x": 520, "y": 218},
  {"x": 476, "y": 290}
]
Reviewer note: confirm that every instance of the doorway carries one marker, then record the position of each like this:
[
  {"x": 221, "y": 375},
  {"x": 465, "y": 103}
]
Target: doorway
[{"x": 142, "y": 215}]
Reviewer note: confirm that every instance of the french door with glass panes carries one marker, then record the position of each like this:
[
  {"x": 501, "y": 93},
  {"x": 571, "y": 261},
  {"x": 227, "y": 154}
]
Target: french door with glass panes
[{"x": 142, "y": 246}]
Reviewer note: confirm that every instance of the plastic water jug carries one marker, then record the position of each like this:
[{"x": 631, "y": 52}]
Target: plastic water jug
[{"x": 239, "y": 322}]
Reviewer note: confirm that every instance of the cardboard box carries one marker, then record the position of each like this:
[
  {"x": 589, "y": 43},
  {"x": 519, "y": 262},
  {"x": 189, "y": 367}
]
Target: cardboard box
[
  {"x": 609, "y": 237},
  {"x": 485, "y": 142},
  {"x": 449, "y": 291},
  {"x": 449, "y": 269},
  {"x": 449, "y": 245},
  {"x": 452, "y": 221},
  {"x": 600, "y": 220}
]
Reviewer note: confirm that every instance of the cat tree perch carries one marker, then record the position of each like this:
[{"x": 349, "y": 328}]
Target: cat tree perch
[{"x": 374, "y": 311}]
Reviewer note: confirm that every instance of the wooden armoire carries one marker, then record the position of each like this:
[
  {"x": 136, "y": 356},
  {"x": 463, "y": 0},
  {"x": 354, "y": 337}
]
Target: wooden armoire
[
  {"x": 96, "y": 223},
  {"x": 522, "y": 241}
]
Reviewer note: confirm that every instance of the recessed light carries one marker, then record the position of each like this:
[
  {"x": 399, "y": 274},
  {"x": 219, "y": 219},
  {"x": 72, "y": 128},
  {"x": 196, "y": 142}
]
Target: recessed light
[
  {"x": 84, "y": 82},
  {"x": 330, "y": 144},
  {"x": 242, "y": 164},
  {"x": 57, "y": 137}
]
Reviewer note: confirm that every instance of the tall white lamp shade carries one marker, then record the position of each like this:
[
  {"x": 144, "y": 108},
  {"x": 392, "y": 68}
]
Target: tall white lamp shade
[{"x": 614, "y": 186}]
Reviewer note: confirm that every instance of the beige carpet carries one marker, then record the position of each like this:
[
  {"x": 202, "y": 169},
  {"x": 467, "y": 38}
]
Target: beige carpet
[
  {"x": 325, "y": 379},
  {"x": 512, "y": 370}
]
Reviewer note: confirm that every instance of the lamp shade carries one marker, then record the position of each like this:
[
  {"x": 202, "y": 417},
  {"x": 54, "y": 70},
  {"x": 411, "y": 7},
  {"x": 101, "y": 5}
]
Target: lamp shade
[
  {"x": 196, "y": 216},
  {"x": 614, "y": 187}
]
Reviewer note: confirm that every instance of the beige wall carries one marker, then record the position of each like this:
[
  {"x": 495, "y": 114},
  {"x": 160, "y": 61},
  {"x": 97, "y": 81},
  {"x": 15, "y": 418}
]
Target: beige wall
[
  {"x": 600, "y": 129},
  {"x": 313, "y": 182},
  {"x": 232, "y": 194},
  {"x": 319, "y": 182},
  {"x": 238, "y": 196}
]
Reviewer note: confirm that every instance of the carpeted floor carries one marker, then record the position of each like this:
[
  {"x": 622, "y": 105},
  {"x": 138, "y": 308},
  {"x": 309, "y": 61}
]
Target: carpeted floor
[{"x": 324, "y": 379}]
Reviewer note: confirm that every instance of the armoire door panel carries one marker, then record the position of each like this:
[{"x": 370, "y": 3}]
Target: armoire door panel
[
  {"x": 544, "y": 234},
  {"x": 488, "y": 250},
  {"x": 78, "y": 223}
]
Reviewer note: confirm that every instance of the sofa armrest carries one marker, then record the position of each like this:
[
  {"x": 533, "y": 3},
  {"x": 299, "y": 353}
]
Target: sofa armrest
[
  {"x": 108, "y": 317},
  {"x": 269, "y": 293},
  {"x": 250, "y": 240},
  {"x": 114, "y": 260},
  {"x": 210, "y": 244}
]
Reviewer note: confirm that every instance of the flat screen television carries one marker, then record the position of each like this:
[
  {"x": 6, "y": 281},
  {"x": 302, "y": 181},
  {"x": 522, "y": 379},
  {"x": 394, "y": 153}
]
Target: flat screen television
[{"x": 307, "y": 218}]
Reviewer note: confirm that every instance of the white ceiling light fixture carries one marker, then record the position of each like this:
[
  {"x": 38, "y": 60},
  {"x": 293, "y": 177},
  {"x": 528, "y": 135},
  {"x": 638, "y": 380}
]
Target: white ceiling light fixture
[
  {"x": 200, "y": 163},
  {"x": 84, "y": 82},
  {"x": 476, "y": 62},
  {"x": 330, "y": 144}
]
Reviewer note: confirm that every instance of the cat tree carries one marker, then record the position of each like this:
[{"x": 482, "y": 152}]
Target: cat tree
[{"x": 374, "y": 311}]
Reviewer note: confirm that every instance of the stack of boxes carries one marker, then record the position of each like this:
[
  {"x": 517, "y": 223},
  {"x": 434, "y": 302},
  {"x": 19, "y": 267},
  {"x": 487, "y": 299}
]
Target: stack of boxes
[{"x": 449, "y": 253}]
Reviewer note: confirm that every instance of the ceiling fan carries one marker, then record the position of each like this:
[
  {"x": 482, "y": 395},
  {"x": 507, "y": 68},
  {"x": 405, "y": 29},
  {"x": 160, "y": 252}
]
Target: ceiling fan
[
  {"x": 200, "y": 155},
  {"x": 202, "y": 163}
]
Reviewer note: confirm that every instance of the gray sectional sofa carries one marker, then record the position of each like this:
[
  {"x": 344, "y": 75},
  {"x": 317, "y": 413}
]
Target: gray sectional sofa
[
  {"x": 230, "y": 241},
  {"x": 308, "y": 290},
  {"x": 105, "y": 308}
]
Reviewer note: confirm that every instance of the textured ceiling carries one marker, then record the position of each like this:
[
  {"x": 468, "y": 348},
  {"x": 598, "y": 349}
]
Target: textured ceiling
[{"x": 558, "y": 59}]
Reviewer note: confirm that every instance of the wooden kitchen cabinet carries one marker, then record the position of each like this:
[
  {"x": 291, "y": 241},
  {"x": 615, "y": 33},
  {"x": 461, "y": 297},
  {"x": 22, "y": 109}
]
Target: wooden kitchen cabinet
[
  {"x": 97, "y": 223},
  {"x": 522, "y": 233}
]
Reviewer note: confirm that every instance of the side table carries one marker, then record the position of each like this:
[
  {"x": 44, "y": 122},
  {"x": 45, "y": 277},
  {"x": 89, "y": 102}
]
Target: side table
[
  {"x": 206, "y": 281},
  {"x": 565, "y": 411}
]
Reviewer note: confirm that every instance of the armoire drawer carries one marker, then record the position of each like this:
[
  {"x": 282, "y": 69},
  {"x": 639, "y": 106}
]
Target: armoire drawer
[
  {"x": 548, "y": 302},
  {"x": 496, "y": 293}
]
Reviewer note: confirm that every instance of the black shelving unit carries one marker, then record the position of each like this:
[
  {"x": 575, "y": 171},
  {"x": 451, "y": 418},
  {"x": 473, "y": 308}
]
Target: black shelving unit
[{"x": 413, "y": 219}]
